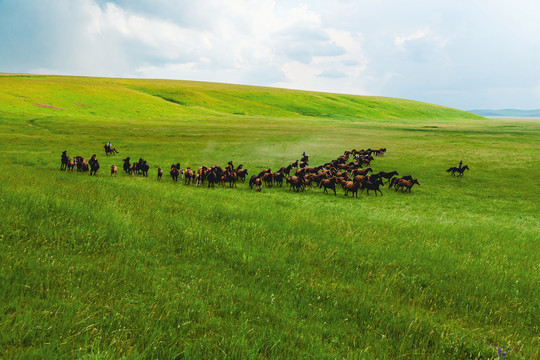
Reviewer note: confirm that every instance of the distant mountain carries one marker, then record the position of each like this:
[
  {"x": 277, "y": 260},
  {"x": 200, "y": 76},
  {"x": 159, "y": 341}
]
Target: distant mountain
[{"x": 508, "y": 112}]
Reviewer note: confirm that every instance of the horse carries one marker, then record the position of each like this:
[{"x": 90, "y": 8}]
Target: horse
[
  {"x": 110, "y": 150},
  {"x": 114, "y": 170},
  {"x": 80, "y": 162},
  {"x": 278, "y": 178},
  {"x": 64, "y": 160},
  {"x": 352, "y": 186},
  {"x": 94, "y": 165},
  {"x": 268, "y": 179},
  {"x": 406, "y": 184},
  {"x": 387, "y": 175},
  {"x": 456, "y": 169},
  {"x": 372, "y": 185},
  {"x": 144, "y": 167},
  {"x": 296, "y": 183},
  {"x": 286, "y": 170},
  {"x": 394, "y": 181},
  {"x": 159, "y": 173},
  {"x": 127, "y": 165},
  {"x": 174, "y": 173},
  {"x": 231, "y": 177},
  {"x": 328, "y": 184},
  {"x": 242, "y": 174},
  {"x": 71, "y": 164},
  {"x": 214, "y": 176},
  {"x": 365, "y": 160},
  {"x": 257, "y": 182},
  {"x": 362, "y": 172},
  {"x": 253, "y": 181},
  {"x": 202, "y": 171},
  {"x": 189, "y": 175}
]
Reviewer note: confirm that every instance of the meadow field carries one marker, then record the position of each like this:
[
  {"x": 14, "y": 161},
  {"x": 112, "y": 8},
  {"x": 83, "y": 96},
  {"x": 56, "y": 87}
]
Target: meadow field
[{"x": 134, "y": 268}]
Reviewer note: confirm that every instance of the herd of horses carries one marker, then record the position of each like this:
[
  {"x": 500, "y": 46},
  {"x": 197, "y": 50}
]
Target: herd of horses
[{"x": 352, "y": 172}]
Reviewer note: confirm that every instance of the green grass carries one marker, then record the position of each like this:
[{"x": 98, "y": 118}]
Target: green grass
[{"x": 129, "y": 267}]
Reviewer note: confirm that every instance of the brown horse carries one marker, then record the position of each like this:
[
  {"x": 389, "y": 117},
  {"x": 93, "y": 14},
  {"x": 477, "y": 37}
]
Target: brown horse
[
  {"x": 351, "y": 187},
  {"x": 362, "y": 172},
  {"x": 189, "y": 175},
  {"x": 114, "y": 170},
  {"x": 328, "y": 184},
  {"x": 267, "y": 178},
  {"x": 109, "y": 150},
  {"x": 395, "y": 180},
  {"x": 231, "y": 177},
  {"x": 406, "y": 184},
  {"x": 70, "y": 165},
  {"x": 174, "y": 173},
  {"x": 159, "y": 173},
  {"x": 242, "y": 174},
  {"x": 258, "y": 184}
]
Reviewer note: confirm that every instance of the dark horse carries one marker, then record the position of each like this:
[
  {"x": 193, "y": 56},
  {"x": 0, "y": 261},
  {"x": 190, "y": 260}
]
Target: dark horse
[
  {"x": 110, "y": 150},
  {"x": 387, "y": 175},
  {"x": 458, "y": 170},
  {"x": 94, "y": 165},
  {"x": 174, "y": 173},
  {"x": 65, "y": 161},
  {"x": 372, "y": 185},
  {"x": 127, "y": 165}
]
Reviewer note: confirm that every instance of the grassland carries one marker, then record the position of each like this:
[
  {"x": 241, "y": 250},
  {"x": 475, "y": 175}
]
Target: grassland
[{"x": 129, "y": 267}]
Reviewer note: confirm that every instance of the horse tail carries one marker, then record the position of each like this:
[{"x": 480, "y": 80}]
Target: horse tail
[{"x": 449, "y": 170}]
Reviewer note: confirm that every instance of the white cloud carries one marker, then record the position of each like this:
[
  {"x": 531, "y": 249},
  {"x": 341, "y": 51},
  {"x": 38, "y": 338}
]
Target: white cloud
[{"x": 462, "y": 54}]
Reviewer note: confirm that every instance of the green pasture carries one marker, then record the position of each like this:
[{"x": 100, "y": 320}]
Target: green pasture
[{"x": 131, "y": 267}]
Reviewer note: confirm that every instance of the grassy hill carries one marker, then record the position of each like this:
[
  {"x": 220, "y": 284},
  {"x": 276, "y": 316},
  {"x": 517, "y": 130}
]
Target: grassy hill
[
  {"x": 132, "y": 267},
  {"x": 167, "y": 98}
]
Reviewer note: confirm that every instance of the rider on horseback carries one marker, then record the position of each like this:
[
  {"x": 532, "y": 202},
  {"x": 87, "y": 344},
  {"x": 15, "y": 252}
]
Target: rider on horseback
[{"x": 460, "y": 164}]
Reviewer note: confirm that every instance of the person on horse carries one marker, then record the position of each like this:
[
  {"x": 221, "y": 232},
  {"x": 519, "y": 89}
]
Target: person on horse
[
  {"x": 109, "y": 145},
  {"x": 460, "y": 164}
]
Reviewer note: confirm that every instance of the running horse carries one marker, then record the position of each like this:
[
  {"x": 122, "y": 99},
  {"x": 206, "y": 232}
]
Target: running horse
[
  {"x": 458, "y": 170},
  {"x": 94, "y": 165},
  {"x": 65, "y": 160},
  {"x": 110, "y": 150}
]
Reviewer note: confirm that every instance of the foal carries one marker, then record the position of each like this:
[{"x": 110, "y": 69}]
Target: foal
[{"x": 114, "y": 170}]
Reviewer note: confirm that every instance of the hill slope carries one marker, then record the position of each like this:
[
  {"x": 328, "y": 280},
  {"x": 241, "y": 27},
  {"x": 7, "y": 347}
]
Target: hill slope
[{"x": 79, "y": 96}]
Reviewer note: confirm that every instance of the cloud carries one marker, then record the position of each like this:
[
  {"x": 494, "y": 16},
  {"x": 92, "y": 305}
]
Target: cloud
[{"x": 473, "y": 54}]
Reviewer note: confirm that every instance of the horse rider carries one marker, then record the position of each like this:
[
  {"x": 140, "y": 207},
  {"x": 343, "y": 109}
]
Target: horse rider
[
  {"x": 109, "y": 145},
  {"x": 460, "y": 164}
]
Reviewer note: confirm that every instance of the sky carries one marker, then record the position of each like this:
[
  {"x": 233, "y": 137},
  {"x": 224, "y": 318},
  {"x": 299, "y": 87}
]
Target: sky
[{"x": 465, "y": 54}]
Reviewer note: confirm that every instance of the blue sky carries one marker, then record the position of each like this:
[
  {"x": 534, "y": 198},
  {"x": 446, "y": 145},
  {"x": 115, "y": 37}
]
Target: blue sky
[{"x": 464, "y": 54}]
